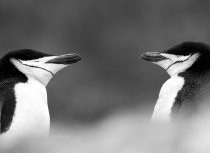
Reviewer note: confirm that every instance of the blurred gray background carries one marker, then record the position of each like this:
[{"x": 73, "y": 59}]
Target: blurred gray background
[{"x": 110, "y": 35}]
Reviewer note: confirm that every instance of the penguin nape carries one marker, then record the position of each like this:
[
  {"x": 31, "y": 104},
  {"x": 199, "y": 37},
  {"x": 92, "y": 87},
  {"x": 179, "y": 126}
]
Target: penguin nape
[
  {"x": 24, "y": 75},
  {"x": 187, "y": 91}
]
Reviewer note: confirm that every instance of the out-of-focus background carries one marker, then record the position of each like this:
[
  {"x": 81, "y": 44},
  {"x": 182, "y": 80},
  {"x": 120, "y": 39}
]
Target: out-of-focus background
[{"x": 110, "y": 35}]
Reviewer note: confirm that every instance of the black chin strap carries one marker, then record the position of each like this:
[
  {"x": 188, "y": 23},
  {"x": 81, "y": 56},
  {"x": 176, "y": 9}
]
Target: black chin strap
[
  {"x": 178, "y": 62},
  {"x": 37, "y": 67}
]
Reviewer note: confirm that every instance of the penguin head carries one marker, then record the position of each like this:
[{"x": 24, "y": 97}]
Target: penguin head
[
  {"x": 185, "y": 56},
  {"x": 34, "y": 64}
]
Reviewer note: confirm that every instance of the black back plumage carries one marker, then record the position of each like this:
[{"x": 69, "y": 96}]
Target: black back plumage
[
  {"x": 196, "y": 90},
  {"x": 9, "y": 76}
]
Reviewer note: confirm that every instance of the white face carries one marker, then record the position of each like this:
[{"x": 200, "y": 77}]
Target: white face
[
  {"x": 38, "y": 69},
  {"x": 175, "y": 64}
]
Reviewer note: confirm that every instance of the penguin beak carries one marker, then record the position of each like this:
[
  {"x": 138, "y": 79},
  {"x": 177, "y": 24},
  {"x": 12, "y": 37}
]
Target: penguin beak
[
  {"x": 65, "y": 59},
  {"x": 153, "y": 57}
]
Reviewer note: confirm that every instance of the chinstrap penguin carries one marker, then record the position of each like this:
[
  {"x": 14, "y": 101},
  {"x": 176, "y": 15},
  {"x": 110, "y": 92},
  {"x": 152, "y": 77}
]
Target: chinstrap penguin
[
  {"x": 188, "y": 88},
  {"x": 24, "y": 74}
]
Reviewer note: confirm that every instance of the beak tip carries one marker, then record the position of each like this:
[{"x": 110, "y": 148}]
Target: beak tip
[
  {"x": 73, "y": 58},
  {"x": 143, "y": 56},
  {"x": 77, "y": 57}
]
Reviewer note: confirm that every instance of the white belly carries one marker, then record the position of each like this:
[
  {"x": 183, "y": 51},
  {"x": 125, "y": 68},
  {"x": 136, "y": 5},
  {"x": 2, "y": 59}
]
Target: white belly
[
  {"x": 31, "y": 118},
  {"x": 166, "y": 99}
]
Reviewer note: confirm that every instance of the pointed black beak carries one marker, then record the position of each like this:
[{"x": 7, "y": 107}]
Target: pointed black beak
[
  {"x": 153, "y": 57},
  {"x": 66, "y": 59}
]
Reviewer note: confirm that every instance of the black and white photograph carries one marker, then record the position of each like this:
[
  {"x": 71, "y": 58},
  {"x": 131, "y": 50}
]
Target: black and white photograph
[{"x": 104, "y": 76}]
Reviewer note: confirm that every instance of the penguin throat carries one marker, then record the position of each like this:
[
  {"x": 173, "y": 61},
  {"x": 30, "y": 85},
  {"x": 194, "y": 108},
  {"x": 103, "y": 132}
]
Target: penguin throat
[
  {"x": 181, "y": 65},
  {"x": 177, "y": 62},
  {"x": 39, "y": 68},
  {"x": 38, "y": 73}
]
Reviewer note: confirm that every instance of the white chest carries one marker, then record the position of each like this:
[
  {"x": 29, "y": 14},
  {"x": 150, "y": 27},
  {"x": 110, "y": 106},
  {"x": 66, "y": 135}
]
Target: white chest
[
  {"x": 31, "y": 118},
  {"x": 166, "y": 99}
]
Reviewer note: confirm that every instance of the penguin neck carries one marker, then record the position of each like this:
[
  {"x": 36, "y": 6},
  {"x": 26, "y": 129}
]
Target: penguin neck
[
  {"x": 9, "y": 73},
  {"x": 35, "y": 72},
  {"x": 201, "y": 66},
  {"x": 167, "y": 98}
]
